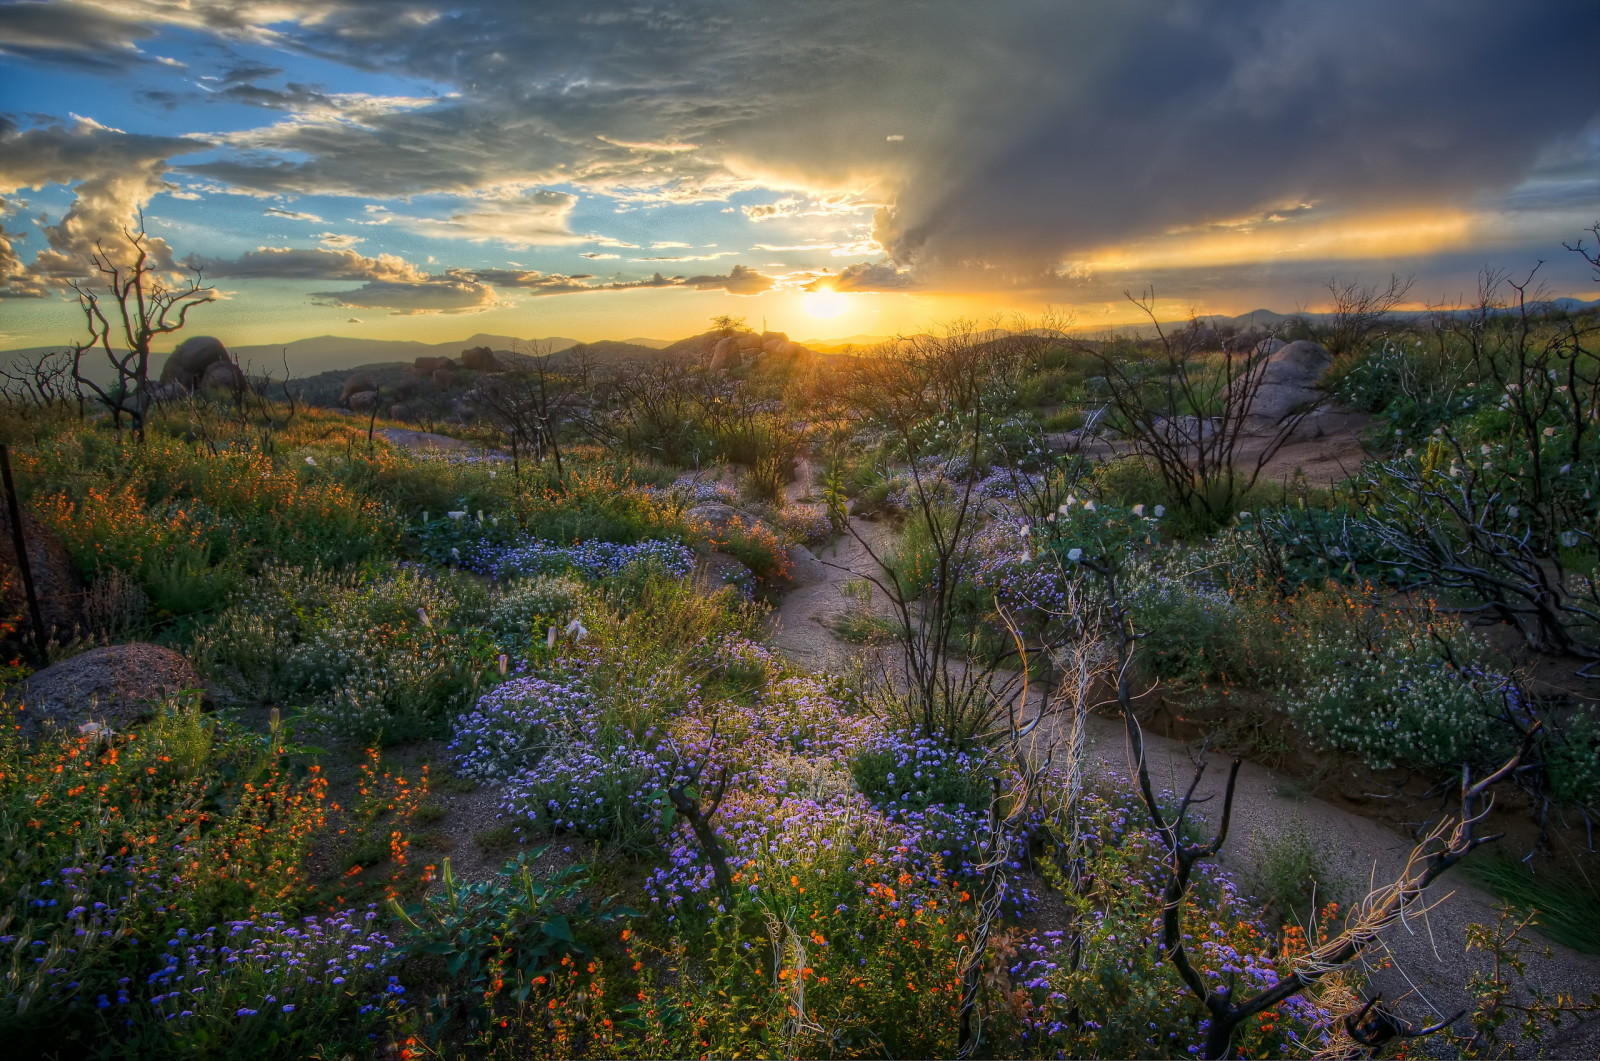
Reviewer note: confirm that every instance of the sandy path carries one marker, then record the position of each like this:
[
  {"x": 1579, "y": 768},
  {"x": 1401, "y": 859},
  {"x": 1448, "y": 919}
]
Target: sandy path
[{"x": 1430, "y": 966}]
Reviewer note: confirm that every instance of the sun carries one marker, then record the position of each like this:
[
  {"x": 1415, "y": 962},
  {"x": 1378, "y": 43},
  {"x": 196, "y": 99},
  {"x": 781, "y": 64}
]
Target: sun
[{"x": 825, "y": 303}]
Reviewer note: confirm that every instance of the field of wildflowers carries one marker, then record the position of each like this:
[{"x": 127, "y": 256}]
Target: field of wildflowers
[{"x": 700, "y": 849}]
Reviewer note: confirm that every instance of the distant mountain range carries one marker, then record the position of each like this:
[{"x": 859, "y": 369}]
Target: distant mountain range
[{"x": 334, "y": 353}]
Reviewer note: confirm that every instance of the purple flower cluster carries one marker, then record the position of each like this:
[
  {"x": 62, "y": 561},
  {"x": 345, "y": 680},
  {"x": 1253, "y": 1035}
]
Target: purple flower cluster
[
  {"x": 269, "y": 966},
  {"x": 806, "y": 523},
  {"x": 594, "y": 559},
  {"x": 513, "y": 725},
  {"x": 696, "y": 490}
]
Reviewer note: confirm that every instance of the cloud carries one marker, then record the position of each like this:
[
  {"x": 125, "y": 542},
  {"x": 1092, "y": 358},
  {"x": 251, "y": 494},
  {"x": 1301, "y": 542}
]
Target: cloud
[
  {"x": 597, "y": 255},
  {"x": 685, "y": 257},
  {"x": 741, "y": 280},
  {"x": 537, "y": 283},
  {"x": 286, "y": 263},
  {"x": 870, "y": 276},
  {"x": 441, "y": 293},
  {"x": 354, "y": 320},
  {"x": 292, "y": 215},
  {"x": 114, "y": 174},
  {"x": 533, "y": 218},
  {"x": 81, "y": 37}
]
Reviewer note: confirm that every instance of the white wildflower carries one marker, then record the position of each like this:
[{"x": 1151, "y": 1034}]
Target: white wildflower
[
  {"x": 1160, "y": 510},
  {"x": 458, "y": 514},
  {"x": 311, "y": 461},
  {"x": 577, "y": 631},
  {"x": 1074, "y": 555},
  {"x": 1088, "y": 506},
  {"x": 1138, "y": 510}
]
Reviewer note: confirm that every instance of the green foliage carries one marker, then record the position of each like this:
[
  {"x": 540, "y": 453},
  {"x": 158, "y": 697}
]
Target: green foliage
[
  {"x": 1393, "y": 687},
  {"x": 381, "y": 656},
  {"x": 1289, "y": 873},
  {"x": 496, "y": 937}
]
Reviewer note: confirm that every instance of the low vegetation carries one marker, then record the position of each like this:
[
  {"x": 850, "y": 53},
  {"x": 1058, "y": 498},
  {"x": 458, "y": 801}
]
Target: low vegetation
[{"x": 497, "y": 759}]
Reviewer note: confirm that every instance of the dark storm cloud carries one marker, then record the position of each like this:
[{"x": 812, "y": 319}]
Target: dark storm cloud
[
  {"x": 1212, "y": 110},
  {"x": 79, "y": 36},
  {"x": 868, "y": 276},
  {"x": 1004, "y": 137}
]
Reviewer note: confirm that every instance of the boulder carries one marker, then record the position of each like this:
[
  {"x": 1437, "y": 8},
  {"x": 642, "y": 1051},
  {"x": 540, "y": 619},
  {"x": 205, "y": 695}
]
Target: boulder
[
  {"x": 56, "y": 583},
  {"x": 768, "y": 337},
  {"x": 1287, "y": 382},
  {"x": 427, "y": 366},
  {"x": 444, "y": 378},
  {"x": 357, "y": 383},
  {"x": 400, "y": 411},
  {"x": 481, "y": 359},
  {"x": 188, "y": 363},
  {"x": 718, "y": 517},
  {"x": 725, "y": 355},
  {"x": 222, "y": 377},
  {"x": 1267, "y": 347},
  {"x": 784, "y": 349},
  {"x": 804, "y": 567},
  {"x": 161, "y": 393},
  {"x": 747, "y": 341},
  {"x": 115, "y": 686},
  {"x": 362, "y": 402}
]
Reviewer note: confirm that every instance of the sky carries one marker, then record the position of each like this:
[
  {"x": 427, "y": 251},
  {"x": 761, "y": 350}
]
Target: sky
[{"x": 398, "y": 170}]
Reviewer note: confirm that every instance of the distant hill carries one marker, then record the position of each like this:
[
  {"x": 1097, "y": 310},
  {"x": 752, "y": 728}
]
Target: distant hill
[{"x": 331, "y": 353}]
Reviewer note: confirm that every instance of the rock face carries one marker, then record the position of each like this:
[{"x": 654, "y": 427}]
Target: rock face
[
  {"x": 222, "y": 377},
  {"x": 116, "y": 686},
  {"x": 362, "y": 402},
  {"x": 747, "y": 342},
  {"x": 1287, "y": 382},
  {"x": 481, "y": 359},
  {"x": 804, "y": 567},
  {"x": 725, "y": 355},
  {"x": 357, "y": 383},
  {"x": 188, "y": 364},
  {"x": 55, "y": 580},
  {"x": 719, "y": 517}
]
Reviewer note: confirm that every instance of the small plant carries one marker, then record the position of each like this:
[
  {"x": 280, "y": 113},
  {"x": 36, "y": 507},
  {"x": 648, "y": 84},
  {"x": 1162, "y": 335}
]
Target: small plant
[
  {"x": 501, "y": 935},
  {"x": 1288, "y": 871}
]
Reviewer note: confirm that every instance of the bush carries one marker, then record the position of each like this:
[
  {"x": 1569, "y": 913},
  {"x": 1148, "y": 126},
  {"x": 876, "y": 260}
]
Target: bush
[
  {"x": 378, "y": 657},
  {"x": 1394, "y": 687}
]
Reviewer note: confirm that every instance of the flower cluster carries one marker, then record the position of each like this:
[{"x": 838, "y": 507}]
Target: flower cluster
[
  {"x": 291, "y": 974},
  {"x": 594, "y": 559}
]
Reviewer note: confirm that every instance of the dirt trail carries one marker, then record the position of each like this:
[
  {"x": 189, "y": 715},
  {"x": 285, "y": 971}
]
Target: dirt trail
[{"x": 1430, "y": 965}]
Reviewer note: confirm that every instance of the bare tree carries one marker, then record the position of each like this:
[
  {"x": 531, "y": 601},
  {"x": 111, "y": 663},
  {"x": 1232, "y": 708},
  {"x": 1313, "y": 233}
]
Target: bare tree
[
  {"x": 529, "y": 404},
  {"x": 1445, "y": 844},
  {"x": 138, "y": 304},
  {"x": 1190, "y": 410},
  {"x": 1360, "y": 311}
]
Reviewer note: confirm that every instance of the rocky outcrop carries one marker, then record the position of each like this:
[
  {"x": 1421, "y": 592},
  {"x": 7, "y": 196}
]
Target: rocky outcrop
[
  {"x": 114, "y": 686},
  {"x": 425, "y": 367},
  {"x": 358, "y": 383},
  {"x": 188, "y": 364},
  {"x": 362, "y": 402},
  {"x": 481, "y": 359},
  {"x": 56, "y": 583},
  {"x": 726, "y": 354},
  {"x": 804, "y": 567},
  {"x": 718, "y": 517},
  {"x": 1287, "y": 382},
  {"x": 222, "y": 377}
]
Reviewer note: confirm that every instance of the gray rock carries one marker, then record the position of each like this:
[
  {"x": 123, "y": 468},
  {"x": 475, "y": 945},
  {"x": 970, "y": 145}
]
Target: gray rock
[
  {"x": 356, "y": 383},
  {"x": 725, "y": 355},
  {"x": 222, "y": 377},
  {"x": 804, "y": 567},
  {"x": 362, "y": 401},
  {"x": 115, "y": 686},
  {"x": 481, "y": 359},
  {"x": 718, "y": 516},
  {"x": 188, "y": 363},
  {"x": 747, "y": 342},
  {"x": 1286, "y": 383}
]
